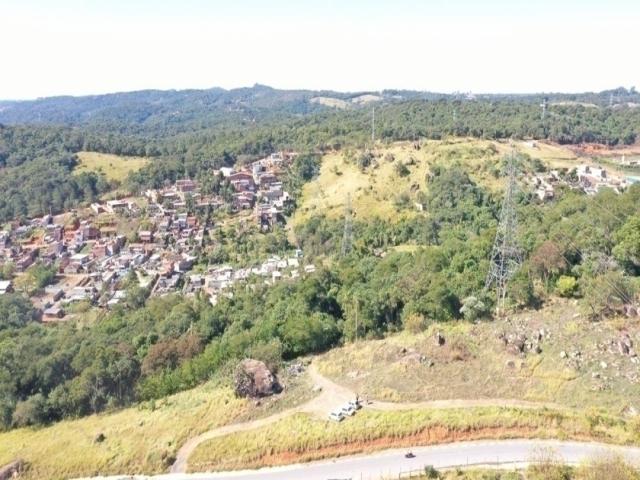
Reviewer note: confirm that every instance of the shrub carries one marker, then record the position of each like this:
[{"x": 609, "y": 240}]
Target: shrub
[
  {"x": 414, "y": 323},
  {"x": 566, "y": 286},
  {"x": 401, "y": 169}
]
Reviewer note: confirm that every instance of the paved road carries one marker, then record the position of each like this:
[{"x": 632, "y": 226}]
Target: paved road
[{"x": 389, "y": 463}]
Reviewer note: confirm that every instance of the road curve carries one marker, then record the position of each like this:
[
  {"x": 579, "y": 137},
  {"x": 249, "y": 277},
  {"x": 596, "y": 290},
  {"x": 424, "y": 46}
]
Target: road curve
[
  {"x": 390, "y": 463},
  {"x": 333, "y": 396}
]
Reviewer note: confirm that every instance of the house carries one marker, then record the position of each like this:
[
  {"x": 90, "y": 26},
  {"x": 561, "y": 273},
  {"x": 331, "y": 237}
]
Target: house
[
  {"x": 52, "y": 314},
  {"x": 186, "y": 186},
  {"x": 242, "y": 182},
  {"x": 145, "y": 236},
  {"x": 116, "y": 206},
  {"x": 56, "y": 293}
]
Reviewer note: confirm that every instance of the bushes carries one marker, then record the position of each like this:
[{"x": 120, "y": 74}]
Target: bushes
[{"x": 566, "y": 286}]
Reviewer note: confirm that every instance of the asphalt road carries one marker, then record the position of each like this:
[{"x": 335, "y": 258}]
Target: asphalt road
[{"x": 390, "y": 463}]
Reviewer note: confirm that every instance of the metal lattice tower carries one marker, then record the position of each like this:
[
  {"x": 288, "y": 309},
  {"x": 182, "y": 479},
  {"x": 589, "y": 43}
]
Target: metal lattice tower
[
  {"x": 373, "y": 127},
  {"x": 347, "y": 236},
  {"x": 506, "y": 256}
]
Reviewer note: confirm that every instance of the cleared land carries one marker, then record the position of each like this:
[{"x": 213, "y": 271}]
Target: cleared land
[
  {"x": 115, "y": 167},
  {"x": 474, "y": 363},
  {"x": 141, "y": 439}
]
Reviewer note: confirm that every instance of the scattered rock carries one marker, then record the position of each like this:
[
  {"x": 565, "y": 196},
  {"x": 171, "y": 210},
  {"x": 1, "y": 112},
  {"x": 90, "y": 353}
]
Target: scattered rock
[
  {"x": 295, "y": 369},
  {"x": 254, "y": 379},
  {"x": 603, "y": 365},
  {"x": 316, "y": 388},
  {"x": 563, "y": 354}
]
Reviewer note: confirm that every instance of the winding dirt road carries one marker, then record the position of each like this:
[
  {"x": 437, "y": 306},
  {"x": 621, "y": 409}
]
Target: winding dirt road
[{"x": 331, "y": 397}]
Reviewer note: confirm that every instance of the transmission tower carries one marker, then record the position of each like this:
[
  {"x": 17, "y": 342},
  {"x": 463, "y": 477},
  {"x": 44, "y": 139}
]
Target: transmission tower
[
  {"x": 373, "y": 127},
  {"x": 543, "y": 106},
  {"x": 506, "y": 257},
  {"x": 347, "y": 236}
]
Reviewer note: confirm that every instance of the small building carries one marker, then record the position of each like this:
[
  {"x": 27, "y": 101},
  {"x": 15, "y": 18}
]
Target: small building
[{"x": 52, "y": 314}]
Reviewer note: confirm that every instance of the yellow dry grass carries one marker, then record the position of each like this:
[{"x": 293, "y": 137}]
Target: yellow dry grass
[
  {"x": 137, "y": 440},
  {"x": 115, "y": 167}
]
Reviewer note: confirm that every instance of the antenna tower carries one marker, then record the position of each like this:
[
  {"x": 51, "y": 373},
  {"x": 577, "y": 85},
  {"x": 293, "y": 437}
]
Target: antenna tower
[
  {"x": 506, "y": 257},
  {"x": 347, "y": 236}
]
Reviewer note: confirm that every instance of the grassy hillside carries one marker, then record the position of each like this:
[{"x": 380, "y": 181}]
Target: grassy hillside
[
  {"x": 475, "y": 363},
  {"x": 115, "y": 167},
  {"x": 379, "y": 188},
  {"x": 142, "y": 439}
]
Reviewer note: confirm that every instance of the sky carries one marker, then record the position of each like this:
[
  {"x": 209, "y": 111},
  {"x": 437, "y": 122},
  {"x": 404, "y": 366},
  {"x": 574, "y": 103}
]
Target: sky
[{"x": 80, "y": 47}]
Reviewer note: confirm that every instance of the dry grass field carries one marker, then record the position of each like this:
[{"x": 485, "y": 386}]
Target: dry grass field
[
  {"x": 474, "y": 363},
  {"x": 115, "y": 167}
]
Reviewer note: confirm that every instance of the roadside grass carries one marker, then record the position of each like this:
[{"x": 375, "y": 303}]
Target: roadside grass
[
  {"x": 139, "y": 439},
  {"x": 302, "y": 438},
  {"x": 115, "y": 167},
  {"x": 474, "y": 364}
]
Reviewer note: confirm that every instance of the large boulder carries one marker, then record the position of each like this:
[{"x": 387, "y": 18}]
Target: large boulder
[
  {"x": 12, "y": 470},
  {"x": 254, "y": 379}
]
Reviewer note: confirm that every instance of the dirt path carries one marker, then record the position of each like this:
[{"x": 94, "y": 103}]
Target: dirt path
[{"x": 331, "y": 397}]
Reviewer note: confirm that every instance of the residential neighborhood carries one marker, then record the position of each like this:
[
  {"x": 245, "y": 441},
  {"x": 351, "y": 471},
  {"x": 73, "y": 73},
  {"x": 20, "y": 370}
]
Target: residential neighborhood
[{"x": 152, "y": 241}]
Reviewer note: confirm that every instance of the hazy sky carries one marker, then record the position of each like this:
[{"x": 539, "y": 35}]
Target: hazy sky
[{"x": 76, "y": 47}]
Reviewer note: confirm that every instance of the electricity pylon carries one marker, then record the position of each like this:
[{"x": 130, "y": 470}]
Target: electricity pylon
[
  {"x": 506, "y": 256},
  {"x": 347, "y": 236}
]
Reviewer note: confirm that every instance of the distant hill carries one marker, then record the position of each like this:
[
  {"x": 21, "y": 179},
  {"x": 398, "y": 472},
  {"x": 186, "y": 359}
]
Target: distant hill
[{"x": 176, "y": 106}]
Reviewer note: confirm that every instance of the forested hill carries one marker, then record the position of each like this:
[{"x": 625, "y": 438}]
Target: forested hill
[
  {"x": 177, "y": 107},
  {"x": 152, "y": 111}
]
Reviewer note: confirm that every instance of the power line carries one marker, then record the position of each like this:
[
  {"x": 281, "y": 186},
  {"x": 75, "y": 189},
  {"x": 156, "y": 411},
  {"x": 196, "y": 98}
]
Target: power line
[{"x": 506, "y": 256}]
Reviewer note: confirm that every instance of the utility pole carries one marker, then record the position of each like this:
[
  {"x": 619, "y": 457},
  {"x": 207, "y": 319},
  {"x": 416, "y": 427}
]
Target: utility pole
[
  {"x": 347, "y": 235},
  {"x": 506, "y": 256}
]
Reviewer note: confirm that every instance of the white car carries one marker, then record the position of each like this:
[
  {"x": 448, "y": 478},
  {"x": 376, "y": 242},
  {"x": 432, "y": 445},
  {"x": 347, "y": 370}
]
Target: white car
[
  {"x": 348, "y": 410},
  {"x": 355, "y": 404},
  {"x": 336, "y": 416}
]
